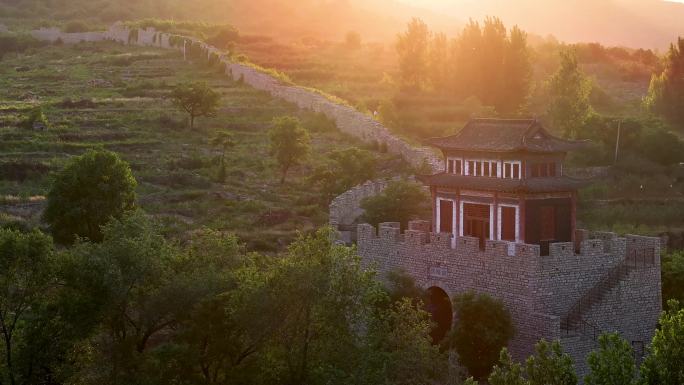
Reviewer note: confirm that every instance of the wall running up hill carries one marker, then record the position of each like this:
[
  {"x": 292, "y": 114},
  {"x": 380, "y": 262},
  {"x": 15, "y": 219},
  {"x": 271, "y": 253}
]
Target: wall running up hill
[
  {"x": 348, "y": 120},
  {"x": 346, "y": 208}
]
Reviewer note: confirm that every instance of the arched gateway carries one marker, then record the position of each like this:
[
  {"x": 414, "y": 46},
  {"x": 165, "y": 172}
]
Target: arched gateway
[{"x": 438, "y": 305}]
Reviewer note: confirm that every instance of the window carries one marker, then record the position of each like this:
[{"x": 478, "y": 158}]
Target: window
[
  {"x": 450, "y": 166},
  {"x": 507, "y": 170},
  {"x": 516, "y": 171},
  {"x": 457, "y": 167},
  {"x": 486, "y": 171},
  {"x": 471, "y": 168},
  {"x": 552, "y": 169}
]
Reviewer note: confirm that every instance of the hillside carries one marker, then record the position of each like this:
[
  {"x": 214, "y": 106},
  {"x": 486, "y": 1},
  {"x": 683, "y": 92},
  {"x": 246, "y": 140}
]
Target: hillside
[{"x": 124, "y": 108}]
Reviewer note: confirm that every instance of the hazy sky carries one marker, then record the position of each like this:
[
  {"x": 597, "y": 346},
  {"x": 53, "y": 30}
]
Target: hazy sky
[{"x": 633, "y": 23}]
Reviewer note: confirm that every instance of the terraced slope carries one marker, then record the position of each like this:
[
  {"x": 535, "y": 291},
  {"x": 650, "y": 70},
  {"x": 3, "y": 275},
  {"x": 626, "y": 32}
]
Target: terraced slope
[{"x": 115, "y": 97}]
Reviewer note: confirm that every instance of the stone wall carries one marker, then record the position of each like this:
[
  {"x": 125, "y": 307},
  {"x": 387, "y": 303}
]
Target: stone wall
[
  {"x": 538, "y": 290},
  {"x": 348, "y": 120},
  {"x": 346, "y": 208}
]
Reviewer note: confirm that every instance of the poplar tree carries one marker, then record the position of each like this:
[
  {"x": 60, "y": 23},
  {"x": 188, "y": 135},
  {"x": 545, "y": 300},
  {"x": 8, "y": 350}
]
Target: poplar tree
[
  {"x": 569, "y": 90},
  {"x": 412, "y": 47},
  {"x": 666, "y": 91}
]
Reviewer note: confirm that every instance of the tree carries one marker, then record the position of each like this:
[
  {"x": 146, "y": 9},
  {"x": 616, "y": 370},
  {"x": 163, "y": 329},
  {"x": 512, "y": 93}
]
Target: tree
[
  {"x": 412, "y": 48},
  {"x": 517, "y": 73},
  {"x": 27, "y": 278},
  {"x": 401, "y": 202},
  {"x": 438, "y": 62},
  {"x": 663, "y": 147},
  {"x": 666, "y": 91},
  {"x": 569, "y": 91},
  {"x": 663, "y": 365},
  {"x": 196, "y": 99},
  {"x": 90, "y": 190},
  {"x": 135, "y": 289},
  {"x": 223, "y": 140},
  {"x": 673, "y": 277},
  {"x": 492, "y": 55},
  {"x": 342, "y": 170},
  {"x": 550, "y": 365},
  {"x": 612, "y": 363},
  {"x": 507, "y": 372},
  {"x": 290, "y": 143},
  {"x": 482, "y": 329}
]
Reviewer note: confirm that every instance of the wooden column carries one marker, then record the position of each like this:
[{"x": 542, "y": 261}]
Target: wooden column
[
  {"x": 433, "y": 192},
  {"x": 573, "y": 215},
  {"x": 495, "y": 217},
  {"x": 523, "y": 234},
  {"x": 457, "y": 223}
]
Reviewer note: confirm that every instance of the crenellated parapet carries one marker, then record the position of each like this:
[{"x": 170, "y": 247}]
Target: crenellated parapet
[{"x": 605, "y": 281}]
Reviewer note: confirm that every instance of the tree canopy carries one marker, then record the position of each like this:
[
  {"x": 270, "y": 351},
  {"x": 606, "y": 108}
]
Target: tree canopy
[
  {"x": 666, "y": 91},
  {"x": 290, "y": 143},
  {"x": 87, "y": 193},
  {"x": 196, "y": 100},
  {"x": 402, "y": 201},
  {"x": 569, "y": 90},
  {"x": 483, "y": 327}
]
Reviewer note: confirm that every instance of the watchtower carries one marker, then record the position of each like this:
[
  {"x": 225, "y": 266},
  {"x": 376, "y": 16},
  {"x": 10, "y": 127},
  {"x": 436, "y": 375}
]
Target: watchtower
[{"x": 503, "y": 180}]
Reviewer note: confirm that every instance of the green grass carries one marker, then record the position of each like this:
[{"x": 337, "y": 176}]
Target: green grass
[{"x": 94, "y": 98}]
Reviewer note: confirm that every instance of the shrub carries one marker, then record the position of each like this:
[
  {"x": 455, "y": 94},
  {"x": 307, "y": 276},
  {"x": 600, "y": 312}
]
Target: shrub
[
  {"x": 401, "y": 202},
  {"x": 90, "y": 190},
  {"x": 11, "y": 43},
  {"x": 482, "y": 329},
  {"x": 36, "y": 119}
]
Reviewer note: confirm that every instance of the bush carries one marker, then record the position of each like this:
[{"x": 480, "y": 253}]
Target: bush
[
  {"x": 87, "y": 193},
  {"x": 401, "y": 202},
  {"x": 482, "y": 329},
  {"x": 11, "y": 43},
  {"x": 36, "y": 119}
]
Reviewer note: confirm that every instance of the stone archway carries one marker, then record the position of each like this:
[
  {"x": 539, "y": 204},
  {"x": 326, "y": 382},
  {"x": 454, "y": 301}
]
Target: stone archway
[{"x": 438, "y": 304}]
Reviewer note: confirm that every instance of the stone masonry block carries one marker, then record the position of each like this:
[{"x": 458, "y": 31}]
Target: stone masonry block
[
  {"x": 415, "y": 237},
  {"x": 467, "y": 245},
  {"x": 526, "y": 251},
  {"x": 591, "y": 247},
  {"x": 423, "y": 226},
  {"x": 389, "y": 233},
  {"x": 441, "y": 240},
  {"x": 562, "y": 249},
  {"x": 496, "y": 248},
  {"x": 365, "y": 232}
]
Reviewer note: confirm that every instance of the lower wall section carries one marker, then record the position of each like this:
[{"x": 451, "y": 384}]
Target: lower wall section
[{"x": 539, "y": 291}]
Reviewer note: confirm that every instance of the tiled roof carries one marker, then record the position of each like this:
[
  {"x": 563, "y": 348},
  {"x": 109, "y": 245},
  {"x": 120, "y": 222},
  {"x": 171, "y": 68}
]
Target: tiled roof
[
  {"x": 505, "y": 135},
  {"x": 537, "y": 185}
]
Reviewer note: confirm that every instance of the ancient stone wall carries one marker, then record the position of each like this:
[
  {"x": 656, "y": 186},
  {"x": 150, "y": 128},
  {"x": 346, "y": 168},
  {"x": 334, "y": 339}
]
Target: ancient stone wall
[
  {"x": 539, "y": 291},
  {"x": 345, "y": 209},
  {"x": 348, "y": 119}
]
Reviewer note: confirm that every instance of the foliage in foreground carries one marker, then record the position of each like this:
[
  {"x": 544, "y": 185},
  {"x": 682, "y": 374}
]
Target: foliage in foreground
[
  {"x": 137, "y": 308},
  {"x": 87, "y": 193},
  {"x": 482, "y": 329}
]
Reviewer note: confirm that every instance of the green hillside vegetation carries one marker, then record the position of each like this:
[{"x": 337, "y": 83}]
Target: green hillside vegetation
[{"x": 118, "y": 98}]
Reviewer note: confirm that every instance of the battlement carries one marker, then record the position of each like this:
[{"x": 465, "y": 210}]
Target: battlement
[{"x": 588, "y": 245}]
